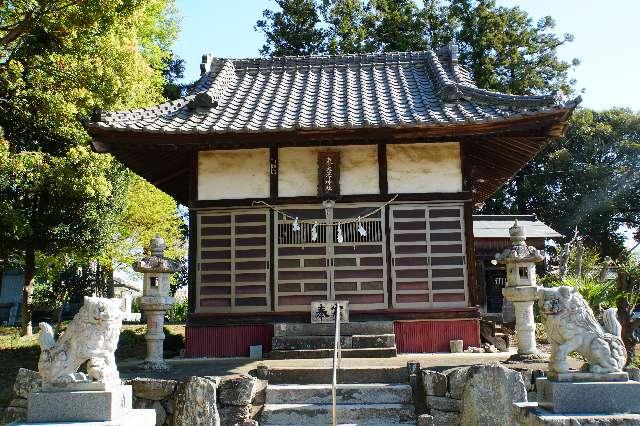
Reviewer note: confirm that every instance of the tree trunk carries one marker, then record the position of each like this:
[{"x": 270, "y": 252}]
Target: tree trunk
[
  {"x": 27, "y": 291},
  {"x": 564, "y": 260},
  {"x": 579, "y": 253},
  {"x": 624, "y": 316}
]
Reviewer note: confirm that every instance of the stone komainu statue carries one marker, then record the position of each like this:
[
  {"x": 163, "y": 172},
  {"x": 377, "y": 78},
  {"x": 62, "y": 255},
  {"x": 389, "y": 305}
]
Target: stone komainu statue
[
  {"x": 92, "y": 337},
  {"x": 571, "y": 326}
]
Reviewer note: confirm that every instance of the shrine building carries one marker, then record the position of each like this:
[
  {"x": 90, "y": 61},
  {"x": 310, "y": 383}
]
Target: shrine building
[{"x": 345, "y": 177}]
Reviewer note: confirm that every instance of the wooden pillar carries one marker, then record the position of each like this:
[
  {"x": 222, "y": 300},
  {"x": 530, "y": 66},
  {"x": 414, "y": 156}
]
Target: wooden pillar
[
  {"x": 193, "y": 234},
  {"x": 467, "y": 185}
]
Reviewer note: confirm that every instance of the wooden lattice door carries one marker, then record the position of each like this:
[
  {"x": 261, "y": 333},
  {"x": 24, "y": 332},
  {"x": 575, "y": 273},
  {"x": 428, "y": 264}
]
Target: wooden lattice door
[
  {"x": 324, "y": 269},
  {"x": 233, "y": 261},
  {"x": 428, "y": 256}
]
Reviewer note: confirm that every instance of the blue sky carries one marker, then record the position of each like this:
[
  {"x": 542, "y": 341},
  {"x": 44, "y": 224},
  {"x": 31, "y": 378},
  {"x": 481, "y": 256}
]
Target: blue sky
[{"x": 607, "y": 40}]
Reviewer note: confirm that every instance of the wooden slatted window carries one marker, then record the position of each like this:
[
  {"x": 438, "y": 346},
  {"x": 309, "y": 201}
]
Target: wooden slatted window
[
  {"x": 233, "y": 261},
  {"x": 428, "y": 256}
]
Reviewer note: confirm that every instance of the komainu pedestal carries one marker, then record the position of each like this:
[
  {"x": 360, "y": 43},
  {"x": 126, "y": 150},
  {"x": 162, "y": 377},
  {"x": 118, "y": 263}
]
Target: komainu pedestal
[
  {"x": 96, "y": 397},
  {"x": 601, "y": 393}
]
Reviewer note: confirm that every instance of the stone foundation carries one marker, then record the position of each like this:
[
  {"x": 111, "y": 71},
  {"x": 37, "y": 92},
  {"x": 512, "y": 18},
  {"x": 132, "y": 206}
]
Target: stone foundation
[{"x": 228, "y": 400}]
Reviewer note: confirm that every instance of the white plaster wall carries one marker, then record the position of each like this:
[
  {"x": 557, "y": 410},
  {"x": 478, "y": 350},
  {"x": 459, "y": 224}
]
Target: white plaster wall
[
  {"x": 298, "y": 170},
  {"x": 230, "y": 174},
  {"x": 421, "y": 168}
]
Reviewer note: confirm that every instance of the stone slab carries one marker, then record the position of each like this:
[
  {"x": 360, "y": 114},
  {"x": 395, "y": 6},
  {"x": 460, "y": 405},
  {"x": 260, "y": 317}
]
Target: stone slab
[
  {"x": 588, "y": 397},
  {"x": 320, "y": 414},
  {"x": 321, "y": 311},
  {"x": 368, "y": 393},
  {"x": 577, "y": 376},
  {"x": 144, "y": 417},
  {"x": 531, "y": 414},
  {"x": 347, "y": 329},
  {"x": 322, "y": 375},
  {"x": 79, "y": 406},
  {"x": 328, "y": 353}
]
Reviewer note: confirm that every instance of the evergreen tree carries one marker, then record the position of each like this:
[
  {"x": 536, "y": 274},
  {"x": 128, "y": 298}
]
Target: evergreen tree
[
  {"x": 591, "y": 176},
  {"x": 294, "y": 30}
]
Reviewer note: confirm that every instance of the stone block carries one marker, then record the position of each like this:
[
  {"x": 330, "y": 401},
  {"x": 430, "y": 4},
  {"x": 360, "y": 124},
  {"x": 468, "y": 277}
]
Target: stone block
[
  {"x": 161, "y": 413},
  {"x": 531, "y": 414},
  {"x": 445, "y": 418},
  {"x": 27, "y": 381},
  {"x": 238, "y": 390},
  {"x": 579, "y": 376},
  {"x": 195, "y": 403},
  {"x": 488, "y": 395},
  {"x": 435, "y": 383},
  {"x": 455, "y": 381},
  {"x": 589, "y": 397},
  {"x": 456, "y": 346},
  {"x": 633, "y": 372},
  {"x": 425, "y": 420},
  {"x": 154, "y": 389},
  {"x": 442, "y": 403},
  {"x": 79, "y": 406},
  {"x": 128, "y": 418},
  {"x": 234, "y": 414},
  {"x": 18, "y": 402}
]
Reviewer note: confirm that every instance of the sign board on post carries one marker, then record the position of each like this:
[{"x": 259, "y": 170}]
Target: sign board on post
[{"x": 324, "y": 311}]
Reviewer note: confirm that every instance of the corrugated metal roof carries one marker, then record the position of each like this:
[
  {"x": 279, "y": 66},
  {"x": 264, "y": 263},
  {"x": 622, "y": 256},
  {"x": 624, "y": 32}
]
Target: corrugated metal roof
[
  {"x": 387, "y": 90},
  {"x": 497, "y": 226}
]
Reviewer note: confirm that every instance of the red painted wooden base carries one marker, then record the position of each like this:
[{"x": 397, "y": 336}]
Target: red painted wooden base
[
  {"x": 411, "y": 337},
  {"x": 434, "y": 335},
  {"x": 227, "y": 340}
]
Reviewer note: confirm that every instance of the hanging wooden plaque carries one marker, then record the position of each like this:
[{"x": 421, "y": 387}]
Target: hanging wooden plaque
[{"x": 328, "y": 175}]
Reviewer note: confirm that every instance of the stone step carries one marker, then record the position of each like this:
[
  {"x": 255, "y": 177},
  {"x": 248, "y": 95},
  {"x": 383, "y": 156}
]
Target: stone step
[
  {"x": 320, "y": 414},
  {"x": 368, "y": 393},
  {"x": 327, "y": 342},
  {"x": 328, "y": 353},
  {"x": 323, "y": 375},
  {"x": 346, "y": 329}
]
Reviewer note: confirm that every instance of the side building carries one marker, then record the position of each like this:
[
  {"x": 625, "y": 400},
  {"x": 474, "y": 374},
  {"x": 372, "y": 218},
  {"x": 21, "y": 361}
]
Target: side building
[{"x": 348, "y": 177}]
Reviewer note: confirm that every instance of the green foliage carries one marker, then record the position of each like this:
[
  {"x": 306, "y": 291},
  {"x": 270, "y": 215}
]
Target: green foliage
[
  {"x": 178, "y": 312},
  {"x": 71, "y": 57},
  {"x": 148, "y": 212},
  {"x": 591, "y": 175},
  {"x": 292, "y": 31},
  {"x": 58, "y": 203},
  {"x": 505, "y": 49},
  {"x": 598, "y": 294}
]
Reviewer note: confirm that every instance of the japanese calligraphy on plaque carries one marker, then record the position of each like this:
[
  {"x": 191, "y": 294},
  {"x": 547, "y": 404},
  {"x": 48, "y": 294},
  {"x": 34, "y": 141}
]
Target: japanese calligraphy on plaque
[
  {"x": 328, "y": 175},
  {"x": 324, "y": 311}
]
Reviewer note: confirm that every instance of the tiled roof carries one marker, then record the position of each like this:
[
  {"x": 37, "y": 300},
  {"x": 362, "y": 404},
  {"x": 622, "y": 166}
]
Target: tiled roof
[
  {"x": 407, "y": 89},
  {"x": 497, "y": 226}
]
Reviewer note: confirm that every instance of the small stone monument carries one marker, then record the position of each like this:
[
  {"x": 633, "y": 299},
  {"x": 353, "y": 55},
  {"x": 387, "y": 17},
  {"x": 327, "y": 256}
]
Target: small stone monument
[
  {"x": 97, "y": 396},
  {"x": 601, "y": 392},
  {"x": 155, "y": 300},
  {"x": 522, "y": 290}
]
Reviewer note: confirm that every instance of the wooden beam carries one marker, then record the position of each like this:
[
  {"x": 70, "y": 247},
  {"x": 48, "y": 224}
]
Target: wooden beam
[
  {"x": 273, "y": 171},
  {"x": 382, "y": 168},
  {"x": 170, "y": 176},
  {"x": 372, "y": 198}
]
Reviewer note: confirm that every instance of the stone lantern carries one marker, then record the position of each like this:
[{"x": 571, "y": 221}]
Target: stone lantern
[
  {"x": 155, "y": 300},
  {"x": 521, "y": 290}
]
